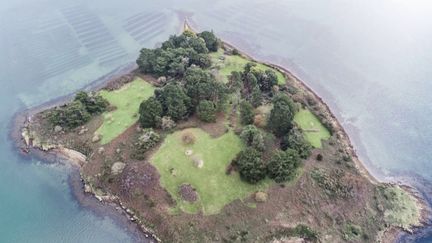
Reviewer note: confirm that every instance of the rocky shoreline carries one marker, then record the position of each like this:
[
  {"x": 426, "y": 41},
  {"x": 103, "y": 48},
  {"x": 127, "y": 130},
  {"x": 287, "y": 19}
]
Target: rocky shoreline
[{"x": 111, "y": 205}]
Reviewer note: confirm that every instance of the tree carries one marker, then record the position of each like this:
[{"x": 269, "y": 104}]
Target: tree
[
  {"x": 253, "y": 137},
  {"x": 283, "y": 165},
  {"x": 206, "y": 111},
  {"x": 150, "y": 113},
  {"x": 267, "y": 80},
  {"x": 210, "y": 39},
  {"x": 282, "y": 114},
  {"x": 295, "y": 140},
  {"x": 246, "y": 113},
  {"x": 250, "y": 165},
  {"x": 146, "y": 60},
  {"x": 69, "y": 116},
  {"x": 175, "y": 103}
]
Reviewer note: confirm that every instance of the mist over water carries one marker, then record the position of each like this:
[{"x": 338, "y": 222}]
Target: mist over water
[{"x": 369, "y": 60}]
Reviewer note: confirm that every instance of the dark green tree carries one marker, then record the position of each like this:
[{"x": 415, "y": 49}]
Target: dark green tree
[
  {"x": 246, "y": 113},
  {"x": 283, "y": 165},
  {"x": 253, "y": 137},
  {"x": 250, "y": 165},
  {"x": 175, "y": 103},
  {"x": 295, "y": 140},
  {"x": 210, "y": 39},
  {"x": 281, "y": 116},
  {"x": 150, "y": 113},
  {"x": 206, "y": 111}
]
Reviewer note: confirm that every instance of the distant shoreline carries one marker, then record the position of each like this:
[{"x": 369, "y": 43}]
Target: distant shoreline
[{"x": 109, "y": 208}]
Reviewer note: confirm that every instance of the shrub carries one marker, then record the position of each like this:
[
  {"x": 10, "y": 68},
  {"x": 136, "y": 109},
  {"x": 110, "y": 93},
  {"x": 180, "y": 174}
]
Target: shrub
[
  {"x": 69, "y": 116},
  {"x": 283, "y": 165},
  {"x": 206, "y": 111},
  {"x": 246, "y": 113},
  {"x": 319, "y": 157},
  {"x": 92, "y": 102},
  {"x": 150, "y": 112},
  {"x": 145, "y": 141},
  {"x": 252, "y": 137},
  {"x": 250, "y": 165},
  {"x": 188, "y": 138},
  {"x": 167, "y": 123}
]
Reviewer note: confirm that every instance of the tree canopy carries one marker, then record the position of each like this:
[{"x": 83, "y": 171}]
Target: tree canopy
[
  {"x": 250, "y": 165},
  {"x": 282, "y": 114},
  {"x": 283, "y": 165},
  {"x": 150, "y": 113}
]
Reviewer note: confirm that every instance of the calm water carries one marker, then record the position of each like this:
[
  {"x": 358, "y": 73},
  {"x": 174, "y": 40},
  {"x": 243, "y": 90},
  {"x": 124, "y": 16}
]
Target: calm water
[{"x": 370, "y": 60}]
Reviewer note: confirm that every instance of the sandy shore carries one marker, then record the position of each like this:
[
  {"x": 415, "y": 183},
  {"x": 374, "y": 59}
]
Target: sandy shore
[{"x": 113, "y": 209}]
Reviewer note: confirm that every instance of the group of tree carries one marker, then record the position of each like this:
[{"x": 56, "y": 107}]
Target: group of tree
[
  {"x": 281, "y": 167},
  {"x": 79, "y": 111},
  {"x": 253, "y": 83},
  {"x": 198, "y": 92},
  {"x": 178, "y": 53}
]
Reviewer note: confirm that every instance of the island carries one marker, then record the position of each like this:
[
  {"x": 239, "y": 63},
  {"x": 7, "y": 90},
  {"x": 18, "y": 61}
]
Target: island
[{"x": 202, "y": 143}]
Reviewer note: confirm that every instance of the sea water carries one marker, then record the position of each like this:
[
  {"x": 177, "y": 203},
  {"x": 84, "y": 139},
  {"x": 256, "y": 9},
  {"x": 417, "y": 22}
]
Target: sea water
[{"x": 369, "y": 60}]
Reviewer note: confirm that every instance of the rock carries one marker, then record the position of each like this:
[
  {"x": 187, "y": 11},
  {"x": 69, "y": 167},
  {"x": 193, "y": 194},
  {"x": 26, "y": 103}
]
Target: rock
[
  {"x": 82, "y": 130},
  {"x": 118, "y": 150},
  {"x": 161, "y": 80},
  {"x": 96, "y": 138},
  {"x": 261, "y": 197},
  {"x": 87, "y": 188},
  {"x": 58, "y": 129},
  {"x": 188, "y": 152},
  {"x": 117, "y": 168},
  {"x": 101, "y": 150},
  {"x": 199, "y": 163}
]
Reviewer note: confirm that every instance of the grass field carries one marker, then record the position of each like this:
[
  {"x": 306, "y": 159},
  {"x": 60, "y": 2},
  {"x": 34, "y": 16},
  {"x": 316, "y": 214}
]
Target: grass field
[
  {"x": 236, "y": 63},
  {"x": 214, "y": 187},
  {"x": 127, "y": 100},
  {"x": 312, "y": 128}
]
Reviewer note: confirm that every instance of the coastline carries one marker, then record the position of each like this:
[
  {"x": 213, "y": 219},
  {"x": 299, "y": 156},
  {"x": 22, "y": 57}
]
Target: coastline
[{"x": 111, "y": 205}]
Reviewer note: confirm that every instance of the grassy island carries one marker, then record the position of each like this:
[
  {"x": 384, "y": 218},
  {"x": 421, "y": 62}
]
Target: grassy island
[{"x": 204, "y": 144}]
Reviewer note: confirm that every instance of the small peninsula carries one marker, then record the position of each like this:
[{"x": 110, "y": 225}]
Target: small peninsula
[{"x": 201, "y": 143}]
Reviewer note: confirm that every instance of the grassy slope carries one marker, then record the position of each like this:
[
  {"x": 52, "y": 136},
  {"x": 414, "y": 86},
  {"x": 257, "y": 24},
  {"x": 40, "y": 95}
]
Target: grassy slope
[
  {"x": 214, "y": 186},
  {"x": 306, "y": 120},
  {"x": 127, "y": 100},
  {"x": 236, "y": 63}
]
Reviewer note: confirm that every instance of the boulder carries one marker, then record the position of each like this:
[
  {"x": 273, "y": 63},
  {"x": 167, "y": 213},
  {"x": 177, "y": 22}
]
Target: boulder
[
  {"x": 261, "y": 197},
  {"x": 101, "y": 150},
  {"x": 58, "y": 129},
  {"x": 82, "y": 130},
  {"x": 96, "y": 138},
  {"x": 117, "y": 168}
]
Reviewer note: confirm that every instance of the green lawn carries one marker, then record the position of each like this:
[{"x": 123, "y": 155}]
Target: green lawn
[
  {"x": 236, "y": 63},
  {"x": 127, "y": 100},
  {"x": 214, "y": 187},
  {"x": 312, "y": 128}
]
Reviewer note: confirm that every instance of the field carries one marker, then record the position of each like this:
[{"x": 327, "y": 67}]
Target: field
[
  {"x": 236, "y": 63},
  {"x": 214, "y": 187},
  {"x": 313, "y": 129},
  {"x": 127, "y": 101}
]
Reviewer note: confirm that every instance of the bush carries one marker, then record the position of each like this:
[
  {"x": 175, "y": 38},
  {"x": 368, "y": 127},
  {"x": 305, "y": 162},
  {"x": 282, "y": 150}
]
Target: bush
[
  {"x": 250, "y": 165},
  {"x": 188, "y": 138},
  {"x": 246, "y": 113},
  {"x": 167, "y": 123},
  {"x": 145, "y": 141},
  {"x": 206, "y": 111},
  {"x": 253, "y": 137},
  {"x": 150, "y": 112},
  {"x": 93, "y": 103},
  {"x": 295, "y": 140},
  {"x": 69, "y": 116},
  {"x": 319, "y": 157},
  {"x": 283, "y": 165}
]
